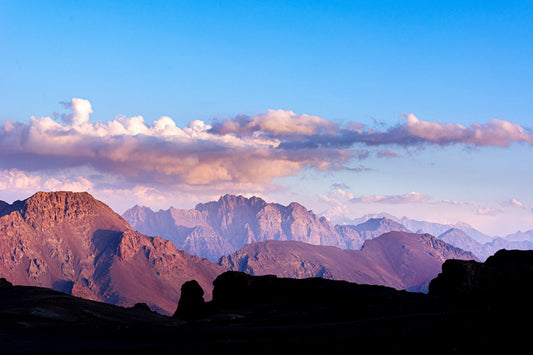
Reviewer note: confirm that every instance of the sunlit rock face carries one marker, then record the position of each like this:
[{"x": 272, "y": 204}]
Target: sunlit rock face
[{"x": 74, "y": 243}]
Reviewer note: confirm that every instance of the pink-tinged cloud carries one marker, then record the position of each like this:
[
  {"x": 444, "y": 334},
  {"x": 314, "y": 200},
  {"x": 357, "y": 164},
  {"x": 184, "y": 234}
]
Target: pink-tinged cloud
[
  {"x": 415, "y": 132},
  {"x": 164, "y": 153},
  {"x": 411, "y": 197},
  {"x": 276, "y": 122},
  {"x": 242, "y": 150},
  {"x": 488, "y": 211},
  {"x": 387, "y": 154},
  {"x": 513, "y": 203},
  {"x": 493, "y": 133},
  {"x": 14, "y": 179}
]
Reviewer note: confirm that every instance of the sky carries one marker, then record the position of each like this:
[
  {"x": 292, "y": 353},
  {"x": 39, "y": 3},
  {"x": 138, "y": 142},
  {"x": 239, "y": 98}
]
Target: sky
[{"x": 421, "y": 109}]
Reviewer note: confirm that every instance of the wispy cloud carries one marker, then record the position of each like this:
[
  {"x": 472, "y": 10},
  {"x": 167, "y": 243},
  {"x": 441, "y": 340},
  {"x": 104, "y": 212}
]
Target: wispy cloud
[
  {"x": 387, "y": 154},
  {"x": 488, "y": 211},
  {"x": 514, "y": 203},
  {"x": 410, "y": 197}
]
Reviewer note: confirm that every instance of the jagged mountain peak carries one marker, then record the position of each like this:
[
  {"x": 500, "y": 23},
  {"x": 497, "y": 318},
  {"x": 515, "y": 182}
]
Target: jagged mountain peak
[
  {"x": 49, "y": 209},
  {"x": 380, "y": 222},
  {"x": 228, "y": 201}
]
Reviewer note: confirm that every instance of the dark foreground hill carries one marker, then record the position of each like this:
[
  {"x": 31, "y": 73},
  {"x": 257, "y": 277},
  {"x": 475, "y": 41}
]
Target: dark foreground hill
[{"x": 250, "y": 314}]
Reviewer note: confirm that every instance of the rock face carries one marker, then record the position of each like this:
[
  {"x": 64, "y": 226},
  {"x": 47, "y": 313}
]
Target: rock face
[
  {"x": 218, "y": 228},
  {"x": 75, "y": 244},
  {"x": 355, "y": 236},
  {"x": 507, "y": 274},
  {"x": 396, "y": 259}
]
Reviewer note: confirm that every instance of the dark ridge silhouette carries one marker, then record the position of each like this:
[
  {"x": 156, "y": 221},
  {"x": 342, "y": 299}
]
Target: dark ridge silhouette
[
  {"x": 508, "y": 274},
  {"x": 267, "y": 314}
]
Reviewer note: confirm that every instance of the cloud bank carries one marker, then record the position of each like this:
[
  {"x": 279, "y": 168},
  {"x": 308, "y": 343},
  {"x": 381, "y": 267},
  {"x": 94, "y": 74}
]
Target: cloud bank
[{"x": 237, "y": 152}]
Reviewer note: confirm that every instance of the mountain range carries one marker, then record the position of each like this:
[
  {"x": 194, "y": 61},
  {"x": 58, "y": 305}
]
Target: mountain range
[
  {"x": 76, "y": 244},
  {"x": 219, "y": 228}
]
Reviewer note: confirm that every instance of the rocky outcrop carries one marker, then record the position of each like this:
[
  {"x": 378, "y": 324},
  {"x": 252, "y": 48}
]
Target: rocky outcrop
[
  {"x": 397, "y": 259},
  {"x": 76, "y": 244},
  {"x": 191, "y": 304},
  {"x": 4, "y": 283},
  {"x": 507, "y": 274}
]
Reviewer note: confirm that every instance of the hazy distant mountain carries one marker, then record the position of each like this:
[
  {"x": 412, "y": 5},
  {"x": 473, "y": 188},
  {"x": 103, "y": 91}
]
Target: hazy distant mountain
[
  {"x": 502, "y": 243},
  {"x": 221, "y": 227},
  {"x": 76, "y": 244},
  {"x": 366, "y": 217},
  {"x": 460, "y": 239},
  {"x": 521, "y": 236},
  {"x": 413, "y": 225},
  {"x": 218, "y": 228},
  {"x": 438, "y": 228},
  {"x": 355, "y": 236},
  {"x": 397, "y": 259}
]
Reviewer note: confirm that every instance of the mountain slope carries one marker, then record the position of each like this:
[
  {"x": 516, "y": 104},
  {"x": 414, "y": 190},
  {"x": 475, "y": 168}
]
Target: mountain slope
[
  {"x": 355, "y": 236},
  {"x": 74, "y": 243},
  {"x": 218, "y": 228},
  {"x": 396, "y": 259}
]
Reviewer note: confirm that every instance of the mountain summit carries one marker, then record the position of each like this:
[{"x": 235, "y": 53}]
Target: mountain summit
[{"x": 74, "y": 243}]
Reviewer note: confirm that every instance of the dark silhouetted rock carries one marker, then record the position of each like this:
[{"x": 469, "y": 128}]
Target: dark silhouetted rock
[
  {"x": 4, "y": 283},
  {"x": 141, "y": 306},
  {"x": 191, "y": 304},
  {"x": 507, "y": 274},
  {"x": 458, "y": 277},
  {"x": 274, "y": 316}
]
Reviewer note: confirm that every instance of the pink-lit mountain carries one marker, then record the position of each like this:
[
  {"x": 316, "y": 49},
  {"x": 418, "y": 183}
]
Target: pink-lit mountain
[
  {"x": 396, "y": 259},
  {"x": 218, "y": 228},
  {"x": 76, "y": 244}
]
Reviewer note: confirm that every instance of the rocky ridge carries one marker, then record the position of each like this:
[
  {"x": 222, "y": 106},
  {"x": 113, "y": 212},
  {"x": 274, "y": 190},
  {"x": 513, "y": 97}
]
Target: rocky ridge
[
  {"x": 76, "y": 244},
  {"x": 396, "y": 259}
]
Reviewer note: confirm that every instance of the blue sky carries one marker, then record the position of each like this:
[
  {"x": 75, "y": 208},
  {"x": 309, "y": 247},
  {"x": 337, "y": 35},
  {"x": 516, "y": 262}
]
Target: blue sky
[{"x": 368, "y": 63}]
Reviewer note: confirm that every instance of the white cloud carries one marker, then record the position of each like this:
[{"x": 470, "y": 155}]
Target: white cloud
[
  {"x": 488, "y": 211},
  {"x": 14, "y": 179},
  {"x": 63, "y": 183}
]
